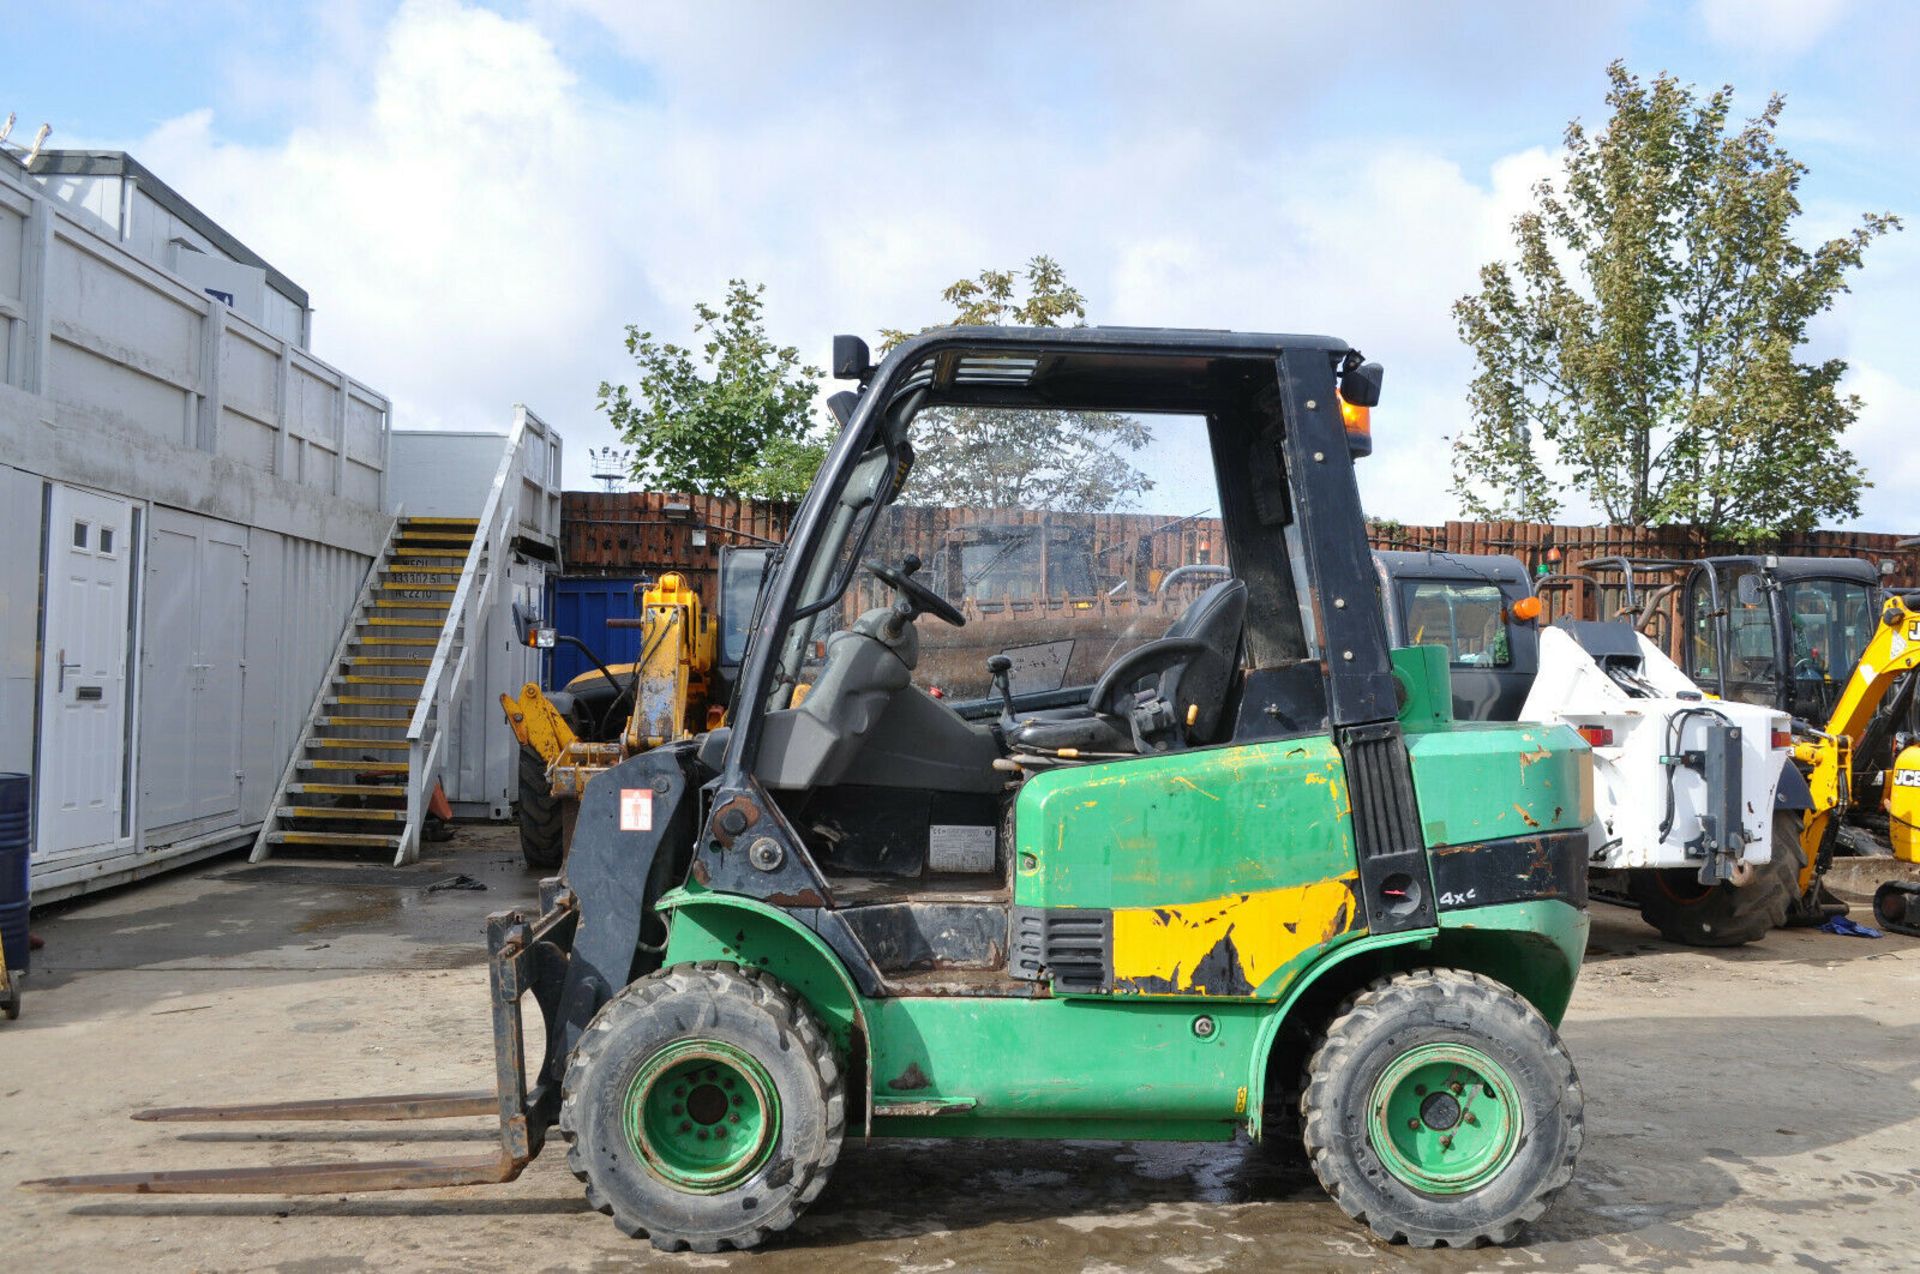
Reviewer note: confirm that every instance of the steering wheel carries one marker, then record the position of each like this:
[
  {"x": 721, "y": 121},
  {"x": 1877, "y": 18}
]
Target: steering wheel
[{"x": 923, "y": 599}]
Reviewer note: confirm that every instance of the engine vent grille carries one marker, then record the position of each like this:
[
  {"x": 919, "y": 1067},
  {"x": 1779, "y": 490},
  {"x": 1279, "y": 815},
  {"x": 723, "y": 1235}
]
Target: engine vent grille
[
  {"x": 1072, "y": 945},
  {"x": 1380, "y": 785}
]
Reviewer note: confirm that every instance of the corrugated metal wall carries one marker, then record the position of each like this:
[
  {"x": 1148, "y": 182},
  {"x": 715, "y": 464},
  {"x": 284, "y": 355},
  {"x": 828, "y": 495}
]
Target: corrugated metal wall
[
  {"x": 625, "y": 535},
  {"x": 300, "y": 596},
  {"x": 480, "y": 774},
  {"x": 20, "y": 513}
]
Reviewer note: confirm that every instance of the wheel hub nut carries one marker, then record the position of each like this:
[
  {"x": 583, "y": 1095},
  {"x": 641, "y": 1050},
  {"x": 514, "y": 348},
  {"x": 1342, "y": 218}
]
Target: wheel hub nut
[{"x": 1440, "y": 1111}]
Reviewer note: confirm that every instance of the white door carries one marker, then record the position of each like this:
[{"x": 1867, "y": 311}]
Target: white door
[
  {"x": 220, "y": 608},
  {"x": 83, "y": 678},
  {"x": 193, "y": 647}
]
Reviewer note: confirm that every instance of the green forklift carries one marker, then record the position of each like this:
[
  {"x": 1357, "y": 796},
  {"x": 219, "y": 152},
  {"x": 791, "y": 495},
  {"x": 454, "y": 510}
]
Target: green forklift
[{"x": 1256, "y": 879}]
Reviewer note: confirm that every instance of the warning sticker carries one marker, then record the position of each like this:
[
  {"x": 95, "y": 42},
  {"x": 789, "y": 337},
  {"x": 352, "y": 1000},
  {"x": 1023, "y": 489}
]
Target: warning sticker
[
  {"x": 636, "y": 809},
  {"x": 960, "y": 847}
]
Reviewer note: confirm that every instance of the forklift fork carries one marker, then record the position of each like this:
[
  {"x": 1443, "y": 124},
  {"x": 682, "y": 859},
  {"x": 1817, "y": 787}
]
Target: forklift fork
[{"x": 523, "y": 957}]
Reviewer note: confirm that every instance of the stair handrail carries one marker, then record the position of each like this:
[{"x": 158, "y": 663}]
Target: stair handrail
[{"x": 466, "y": 613}]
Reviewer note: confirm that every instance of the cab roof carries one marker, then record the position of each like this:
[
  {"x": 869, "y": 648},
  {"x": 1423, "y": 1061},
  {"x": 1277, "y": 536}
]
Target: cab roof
[
  {"x": 1852, "y": 569},
  {"x": 1094, "y": 368}
]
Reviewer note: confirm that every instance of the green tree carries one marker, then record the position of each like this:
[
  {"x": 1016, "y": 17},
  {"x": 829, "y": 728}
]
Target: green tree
[
  {"x": 734, "y": 417},
  {"x": 1020, "y": 457},
  {"x": 1645, "y": 348}
]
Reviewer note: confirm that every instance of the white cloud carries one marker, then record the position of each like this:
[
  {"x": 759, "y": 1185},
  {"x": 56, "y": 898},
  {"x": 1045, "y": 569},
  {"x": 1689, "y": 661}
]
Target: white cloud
[
  {"x": 1783, "y": 27},
  {"x": 477, "y": 220},
  {"x": 453, "y": 225}
]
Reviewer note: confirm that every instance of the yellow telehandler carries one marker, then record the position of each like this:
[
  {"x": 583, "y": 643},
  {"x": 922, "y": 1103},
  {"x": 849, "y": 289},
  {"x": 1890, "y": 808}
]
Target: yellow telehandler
[{"x": 675, "y": 689}]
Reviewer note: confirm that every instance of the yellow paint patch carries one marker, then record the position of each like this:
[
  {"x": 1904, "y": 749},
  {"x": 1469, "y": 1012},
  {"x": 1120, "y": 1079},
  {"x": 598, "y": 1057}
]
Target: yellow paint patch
[{"x": 1160, "y": 950}]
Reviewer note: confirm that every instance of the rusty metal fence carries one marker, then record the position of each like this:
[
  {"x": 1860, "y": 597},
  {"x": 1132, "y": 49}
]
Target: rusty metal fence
[{"x": 630, "y": 534}]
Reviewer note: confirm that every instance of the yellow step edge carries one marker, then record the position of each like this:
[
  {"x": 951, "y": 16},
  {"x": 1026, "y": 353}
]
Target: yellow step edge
[
  {"x": 369, "y": 767},
  {"x": 374, "y": 723},
  {"x": 328, "y": 811},
  {"x": 395, "y": 641},
  {"x": 372, "y": 745},
  {"x": 367, "y": 839},
  {"x": 397, "y": 661},
  {"x": 370, "y": 679},
  {"x": 408, "y": 603},
  {"x": 347, "y": 789},
  {"x": 377, "y": 701},
  {"x": 414, "y": 586},
  {"x": 381, "y": 621}
]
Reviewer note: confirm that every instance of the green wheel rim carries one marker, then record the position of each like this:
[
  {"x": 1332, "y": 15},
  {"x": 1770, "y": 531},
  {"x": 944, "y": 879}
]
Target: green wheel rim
[
  {"x": 702, "y": 1115},
  {"x": 1444, "y": 1118}
]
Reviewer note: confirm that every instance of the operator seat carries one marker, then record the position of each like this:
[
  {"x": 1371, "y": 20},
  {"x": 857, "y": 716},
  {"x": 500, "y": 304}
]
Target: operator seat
[{"x": 1169, "y": 693}]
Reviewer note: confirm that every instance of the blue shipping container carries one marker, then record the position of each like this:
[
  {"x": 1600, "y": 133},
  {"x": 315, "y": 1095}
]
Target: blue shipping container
[{"x": 581, "y": 606}]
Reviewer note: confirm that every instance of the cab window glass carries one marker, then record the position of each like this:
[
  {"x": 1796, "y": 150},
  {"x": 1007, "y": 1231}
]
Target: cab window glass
[
  {"x": 1468, "y": 619},
  {"x": 1065, "y": 538},
  {"x": 1831, "y": 623},
  {"x": 1750, "y": 635},
  {"x": 1703, "y": 648}
]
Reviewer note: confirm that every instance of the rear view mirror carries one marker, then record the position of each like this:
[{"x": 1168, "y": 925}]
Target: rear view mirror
[
  {"x": 1360, "y": 384},
  {"x": 528, "y": 630},
  {"x": 851, "y": 359}
]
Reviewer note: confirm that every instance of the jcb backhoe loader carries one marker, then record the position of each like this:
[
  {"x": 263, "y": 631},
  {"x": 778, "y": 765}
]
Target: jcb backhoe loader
[
  {"x": 1258, "y": 866},
  {"x": 1818, "y": 638}
]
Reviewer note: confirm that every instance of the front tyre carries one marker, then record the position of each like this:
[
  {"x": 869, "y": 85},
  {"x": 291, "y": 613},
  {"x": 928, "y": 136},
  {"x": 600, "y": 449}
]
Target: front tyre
[
  {"x": 703, "y": 1108},
  {"x": 1441, "y": 1109},
  {"x": 1673, "y": 900},
  {"x": 542, "y": 825}
]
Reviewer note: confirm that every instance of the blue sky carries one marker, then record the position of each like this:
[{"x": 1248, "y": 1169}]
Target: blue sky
[{"x": 479, "y": 197}]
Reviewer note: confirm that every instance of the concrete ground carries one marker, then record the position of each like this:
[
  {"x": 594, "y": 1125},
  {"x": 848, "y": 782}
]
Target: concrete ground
[{"x": 1750, "y": 1108}]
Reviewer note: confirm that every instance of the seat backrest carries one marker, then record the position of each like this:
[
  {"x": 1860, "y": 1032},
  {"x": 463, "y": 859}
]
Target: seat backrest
[{"x": 1216, "y": 618}]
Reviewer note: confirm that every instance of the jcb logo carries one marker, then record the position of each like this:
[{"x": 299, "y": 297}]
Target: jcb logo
[
  {"x": 1913, "y": 631},
  {"x": 1906, "y": 778}
]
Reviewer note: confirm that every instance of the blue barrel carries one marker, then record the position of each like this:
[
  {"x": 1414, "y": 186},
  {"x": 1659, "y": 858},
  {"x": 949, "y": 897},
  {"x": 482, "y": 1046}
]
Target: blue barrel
[{"x": 13, "y": 869}]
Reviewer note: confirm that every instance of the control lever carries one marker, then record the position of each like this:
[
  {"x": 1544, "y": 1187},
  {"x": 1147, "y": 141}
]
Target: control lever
[{"x": 1001, "y": 669}]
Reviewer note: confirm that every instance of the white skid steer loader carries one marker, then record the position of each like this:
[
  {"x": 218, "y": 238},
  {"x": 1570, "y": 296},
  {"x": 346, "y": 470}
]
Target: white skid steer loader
[{"x": 1686, "y": 788}]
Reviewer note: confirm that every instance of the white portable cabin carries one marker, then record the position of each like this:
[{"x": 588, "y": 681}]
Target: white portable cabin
[{"x": 191, "y": 506}]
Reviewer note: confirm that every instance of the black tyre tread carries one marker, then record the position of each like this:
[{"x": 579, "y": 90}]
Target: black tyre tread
[
  {"x": 1368, "y": 1005},
  {"x": 795, "y": 1019},
  {"x": 1726, "y": 916},
  {"x": 537, "y": 811}
]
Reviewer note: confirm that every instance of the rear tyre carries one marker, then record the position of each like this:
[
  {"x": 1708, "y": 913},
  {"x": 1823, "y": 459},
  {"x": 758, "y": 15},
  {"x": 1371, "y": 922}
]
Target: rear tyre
[
  {"x": 703, "y": 1108},
  {"x": 1441, "y": 1110},
  {"x": 1674, "y": 901},
  {"x": 542, "y": 834}
]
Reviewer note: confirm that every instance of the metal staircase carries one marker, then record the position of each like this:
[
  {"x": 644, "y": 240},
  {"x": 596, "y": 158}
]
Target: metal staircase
[
  {"x": 348, "y": 784},
  {"x": 371, "y": 750}
]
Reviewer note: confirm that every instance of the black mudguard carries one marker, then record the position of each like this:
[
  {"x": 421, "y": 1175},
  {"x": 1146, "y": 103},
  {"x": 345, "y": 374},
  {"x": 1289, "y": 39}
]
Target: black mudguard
[
  {"x": 617, "y": 868},
  {"x": 1792, "y": 792}
]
